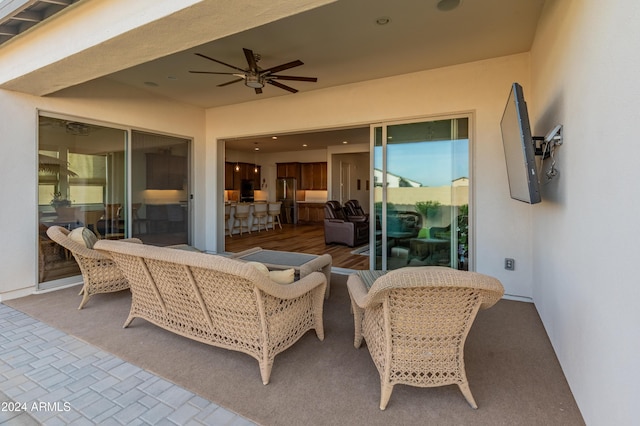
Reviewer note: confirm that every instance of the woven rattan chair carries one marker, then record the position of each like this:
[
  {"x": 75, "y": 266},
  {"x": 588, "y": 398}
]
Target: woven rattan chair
[
  {"x": 415, "y": 321},
  {"x": 219, "y": 301},
  {"x": 99, "y": 273}
]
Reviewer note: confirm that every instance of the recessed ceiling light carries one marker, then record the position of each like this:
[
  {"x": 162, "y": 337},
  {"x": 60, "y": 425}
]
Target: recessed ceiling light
[
  {"x": 274, "y": 137},
  {"x": 345, "y": 142},
  {"x": 447, "y": 5},
  {"x": 383, "y": 20},
  {"x": 304, "y": 144}
]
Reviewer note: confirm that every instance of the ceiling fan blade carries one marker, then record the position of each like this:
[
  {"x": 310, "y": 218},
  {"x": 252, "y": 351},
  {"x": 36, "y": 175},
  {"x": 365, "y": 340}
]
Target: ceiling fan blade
[
  {"x": 293, "y": 77},
  {"x": 251, "y": 60},
  {"x": 282, "y": 86},
  {"x": 231, "y": 82},
  {"x": 213, "y": 72},
  {"x": 283, "y": 67},
  {"x": 220, "y": 62}
]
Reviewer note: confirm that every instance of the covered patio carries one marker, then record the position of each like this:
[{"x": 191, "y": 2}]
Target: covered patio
[{"x": 144, "y": 373}]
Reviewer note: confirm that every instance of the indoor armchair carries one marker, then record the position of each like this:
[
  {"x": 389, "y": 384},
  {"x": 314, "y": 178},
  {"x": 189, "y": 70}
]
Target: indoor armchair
[{"x": 338, "y": 229}]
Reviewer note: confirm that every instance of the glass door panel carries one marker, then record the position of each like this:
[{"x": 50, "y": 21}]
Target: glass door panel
[
  {"x": 421, "y": 176},
  {"x": 81, "y": 182},
  {"x": 159, "y": 189}
]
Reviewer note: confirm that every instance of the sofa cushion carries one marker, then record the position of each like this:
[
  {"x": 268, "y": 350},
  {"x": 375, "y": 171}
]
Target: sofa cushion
[
  {"x": 281, "y": 277},
  {"x": 260, "y": 267},
  {"x": 83, "y": 236}
]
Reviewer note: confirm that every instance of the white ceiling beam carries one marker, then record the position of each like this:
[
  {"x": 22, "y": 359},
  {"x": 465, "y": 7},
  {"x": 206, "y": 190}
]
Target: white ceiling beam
[
  {"x": 10, "y": 8},
  {"x": 58, "y": 2},
  {"x": 6, "y": 30},
  {"x": 28, "y": 16}
]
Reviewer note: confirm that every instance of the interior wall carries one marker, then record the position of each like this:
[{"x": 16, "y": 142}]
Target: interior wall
[
  {"x": 502, "y": 226},
  {"x": 359, "y": 171},
  {"x": 104, "y": 102},
  {"x": 585, "y": 76}
]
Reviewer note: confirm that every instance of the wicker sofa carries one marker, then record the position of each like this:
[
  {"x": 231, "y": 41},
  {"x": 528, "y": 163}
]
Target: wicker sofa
[
  {"x": 415, "y": 321},
  {"x": 219, "y": 301},
  {"x": 99, "y": 273}
]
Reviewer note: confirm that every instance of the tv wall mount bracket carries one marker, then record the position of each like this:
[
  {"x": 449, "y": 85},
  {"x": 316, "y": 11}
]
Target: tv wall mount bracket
[{"x": 545, "y": 145}]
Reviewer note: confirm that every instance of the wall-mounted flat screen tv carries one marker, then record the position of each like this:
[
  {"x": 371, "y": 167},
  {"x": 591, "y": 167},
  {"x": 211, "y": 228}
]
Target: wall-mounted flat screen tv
[{"x": 519, "y": 149}]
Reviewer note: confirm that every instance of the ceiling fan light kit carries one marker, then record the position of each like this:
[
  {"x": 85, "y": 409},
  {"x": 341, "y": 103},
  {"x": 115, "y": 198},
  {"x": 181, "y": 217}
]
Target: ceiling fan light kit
[
  {"x": 254, "y": 81},
  {"x": 256, "y": 77}
]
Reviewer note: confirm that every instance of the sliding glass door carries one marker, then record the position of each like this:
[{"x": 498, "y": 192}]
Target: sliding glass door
[
  {"x": 160, "y": 188},
  {"x": 90, "y": 176},
  {"x": 421, "y": 194},
  {"x": 81, "y": 182}
]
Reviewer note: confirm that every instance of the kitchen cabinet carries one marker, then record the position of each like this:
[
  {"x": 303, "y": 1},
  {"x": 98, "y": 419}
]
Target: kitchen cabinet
[
  {"x": 246, "y": 171},
  {"x": 313, "y": 176},
  {"x": 310, "y": 212},
  {"x": 166, "y": 171},
  {"x": 288, "y": 170},
  {"x": 228, "y": 175}
]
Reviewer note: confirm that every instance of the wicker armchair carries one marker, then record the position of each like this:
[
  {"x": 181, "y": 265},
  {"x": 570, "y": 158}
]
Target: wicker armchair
[
  {"x": 99, "y": 273},
  {"x": 415, "y": 321},
  {"x": 219, "y": 301}
]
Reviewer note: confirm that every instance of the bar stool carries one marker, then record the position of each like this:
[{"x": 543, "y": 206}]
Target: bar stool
[
  {"x": 227, "y": 215},
  {"x": 241, "y": 218},
  {"x": 273, "y": 212},
  {"x": 260, "y": 215}
]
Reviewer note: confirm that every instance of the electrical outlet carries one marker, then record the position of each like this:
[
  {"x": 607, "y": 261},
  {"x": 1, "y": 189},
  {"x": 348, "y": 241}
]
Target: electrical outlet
[{"x": 509, "y": 264}]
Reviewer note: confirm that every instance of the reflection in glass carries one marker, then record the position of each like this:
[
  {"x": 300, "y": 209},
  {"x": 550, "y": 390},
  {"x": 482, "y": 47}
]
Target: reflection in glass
[
  {"x": 421, "y": 177},
  {"x": 159, "y": 188},
  {"x": 80, "y": 172}
]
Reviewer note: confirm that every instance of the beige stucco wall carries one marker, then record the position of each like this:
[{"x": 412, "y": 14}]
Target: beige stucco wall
[{"x": 585, "y": 76}]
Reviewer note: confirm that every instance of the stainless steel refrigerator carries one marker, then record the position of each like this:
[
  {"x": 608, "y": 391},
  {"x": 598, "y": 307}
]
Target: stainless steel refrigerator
[{"x": 286, "y": 192}]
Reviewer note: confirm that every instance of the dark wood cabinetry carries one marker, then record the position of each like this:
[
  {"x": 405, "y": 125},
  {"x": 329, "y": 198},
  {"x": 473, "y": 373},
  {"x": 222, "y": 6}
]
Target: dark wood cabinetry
[
  {"x": 313, "y": 176},
  {"x": 310, "y": 212},
  {"x": 166, "y": 171},
  {"x": 233, "y": 178},
  {"x": 228, "y": 175},
  {"x": 288, "y": 170}
]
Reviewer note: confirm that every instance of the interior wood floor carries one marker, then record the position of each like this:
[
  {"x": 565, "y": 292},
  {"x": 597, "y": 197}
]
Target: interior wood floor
[{"x": 306, "y": 238}]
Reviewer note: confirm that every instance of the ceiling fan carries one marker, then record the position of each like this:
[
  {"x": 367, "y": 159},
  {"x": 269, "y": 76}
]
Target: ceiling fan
[{"x": 256, "y": 77}]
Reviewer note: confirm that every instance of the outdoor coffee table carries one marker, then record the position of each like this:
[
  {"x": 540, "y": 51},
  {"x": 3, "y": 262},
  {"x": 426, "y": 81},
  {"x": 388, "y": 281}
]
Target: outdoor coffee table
[{"x": 302, "y": 263}]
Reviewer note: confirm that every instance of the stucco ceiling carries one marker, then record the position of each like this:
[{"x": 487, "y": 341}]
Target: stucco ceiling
[{"x": 342, "y": 43}]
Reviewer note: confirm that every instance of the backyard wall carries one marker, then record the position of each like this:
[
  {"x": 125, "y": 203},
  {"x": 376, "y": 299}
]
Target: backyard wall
[
  {"x": 585, "y": 255},
  {"x": 502, "y": 227}
]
